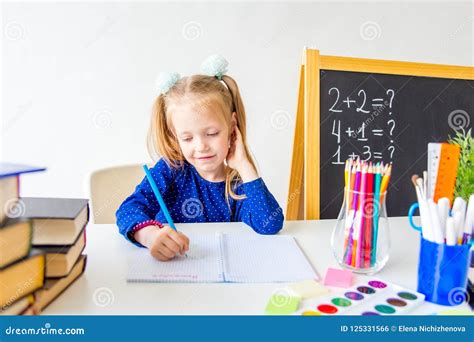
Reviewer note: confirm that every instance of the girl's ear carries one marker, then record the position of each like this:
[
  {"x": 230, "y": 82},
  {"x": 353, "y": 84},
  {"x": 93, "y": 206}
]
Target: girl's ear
[
  {"x": 233, "y": 124},
  {"x": 233, "y": 121}
]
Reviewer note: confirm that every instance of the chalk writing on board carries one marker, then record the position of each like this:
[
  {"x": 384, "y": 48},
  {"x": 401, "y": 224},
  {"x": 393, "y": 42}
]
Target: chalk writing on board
[{"x": 365, "y": 108}]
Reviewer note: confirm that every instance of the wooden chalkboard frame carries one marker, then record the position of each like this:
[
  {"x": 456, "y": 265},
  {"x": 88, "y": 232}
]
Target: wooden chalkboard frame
[{"x": 303, "y": 194}]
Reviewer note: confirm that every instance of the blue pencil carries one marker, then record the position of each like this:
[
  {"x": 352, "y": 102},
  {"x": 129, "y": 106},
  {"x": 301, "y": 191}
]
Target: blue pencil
[
  {"x": 158, "y": 197},
  {"x": 376, "y": 213}
]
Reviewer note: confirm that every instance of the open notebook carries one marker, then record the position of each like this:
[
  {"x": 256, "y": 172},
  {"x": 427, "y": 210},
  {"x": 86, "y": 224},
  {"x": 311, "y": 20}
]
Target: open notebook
[{"x": 239, "y": 258}]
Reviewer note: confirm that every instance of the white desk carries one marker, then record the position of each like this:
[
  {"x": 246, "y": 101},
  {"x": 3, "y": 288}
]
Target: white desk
[{"x": 103, "y": 290}]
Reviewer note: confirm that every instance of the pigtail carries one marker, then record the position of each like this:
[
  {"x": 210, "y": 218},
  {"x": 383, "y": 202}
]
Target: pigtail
[
  {"x": 233, "y": 178},
  {"x": 161, "y": 140}
]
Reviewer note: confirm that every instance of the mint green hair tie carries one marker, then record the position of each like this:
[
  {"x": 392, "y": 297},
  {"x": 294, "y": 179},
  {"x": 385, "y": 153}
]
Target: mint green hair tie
[
  {"x": 166, "y": 80},
  {"x": 215, "y": 65}
]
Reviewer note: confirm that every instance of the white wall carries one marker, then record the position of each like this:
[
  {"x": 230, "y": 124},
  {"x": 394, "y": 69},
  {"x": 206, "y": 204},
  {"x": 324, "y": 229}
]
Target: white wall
[{"x": 78, "y": 79}]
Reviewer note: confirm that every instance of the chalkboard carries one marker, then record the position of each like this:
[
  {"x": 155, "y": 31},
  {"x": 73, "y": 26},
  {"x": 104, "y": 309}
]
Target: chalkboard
[
  {"x": 385, "y": 117},
  {"x": 377, "y": 110}
]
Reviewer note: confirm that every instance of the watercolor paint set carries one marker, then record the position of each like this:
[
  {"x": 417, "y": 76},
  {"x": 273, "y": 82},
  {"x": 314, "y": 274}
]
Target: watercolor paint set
[{"x": 368, "y": 298}]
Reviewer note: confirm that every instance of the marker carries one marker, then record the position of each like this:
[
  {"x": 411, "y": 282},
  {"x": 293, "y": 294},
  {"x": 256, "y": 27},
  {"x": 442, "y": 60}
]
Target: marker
[
  {"x": 424, "y": 216},
  {"x": 468, "y": 221},
  {"x": 458, "y": 226},
  {"x": 460, "y": 205},
  {"x": 459, "y": 214},
  {"x": 435, "y": 222},
  {"x": 443, "y": 212},
  {"x": 419, "y": 182},
  {"x": 450, "y": 232}
]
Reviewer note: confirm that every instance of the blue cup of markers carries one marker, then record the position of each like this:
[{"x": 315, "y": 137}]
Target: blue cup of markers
[{"x": 442, "y": 270}]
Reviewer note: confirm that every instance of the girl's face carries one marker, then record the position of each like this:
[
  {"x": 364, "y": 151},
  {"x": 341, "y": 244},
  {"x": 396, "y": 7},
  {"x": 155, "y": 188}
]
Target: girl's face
[{"x": 203, "y": 135}]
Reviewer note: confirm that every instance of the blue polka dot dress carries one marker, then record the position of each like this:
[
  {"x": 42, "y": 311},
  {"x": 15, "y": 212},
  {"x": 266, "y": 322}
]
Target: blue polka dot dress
[{"x": 190, "y": 199}]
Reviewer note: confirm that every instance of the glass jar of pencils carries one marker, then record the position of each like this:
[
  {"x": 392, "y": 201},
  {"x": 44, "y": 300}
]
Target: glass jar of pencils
[{"x": 361, "y": 241}]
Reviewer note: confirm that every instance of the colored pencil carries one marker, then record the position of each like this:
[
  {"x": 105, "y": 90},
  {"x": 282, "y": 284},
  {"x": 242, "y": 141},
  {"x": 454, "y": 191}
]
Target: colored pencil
[
  {"x": 347, "y": 193},
  {"x": 352, "y": 182},
  {"x": 385, "y": 180},
  {"x": 351, "y": 248},
  {"x": 368, "y": 225},
  {"x": 158, "y": 197},
  {"x": 376, "y": 213},
  {"x": 360, "y": 221},
  {"x": 157, "y": 193},
  {"x": 355, "y": 206},
  {"x": 365, "y": 187}
]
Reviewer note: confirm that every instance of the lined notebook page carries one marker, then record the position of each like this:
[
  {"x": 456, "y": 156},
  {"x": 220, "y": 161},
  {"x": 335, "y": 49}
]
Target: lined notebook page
[
  {"x": 203, "y": 264},
  {"x": 264, "y": 259}
]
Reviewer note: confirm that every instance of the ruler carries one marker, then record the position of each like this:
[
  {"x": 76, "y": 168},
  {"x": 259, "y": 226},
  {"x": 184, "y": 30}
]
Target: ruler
[
  {"x": 434, "y": 154},
  {"x": 447, "y": 172}
]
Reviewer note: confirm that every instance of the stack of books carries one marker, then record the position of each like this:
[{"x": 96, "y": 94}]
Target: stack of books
[
  {"x": 40, "y": 250},
  {"x": 59, "y": 232},
  {"x": 22, "y": 269}
]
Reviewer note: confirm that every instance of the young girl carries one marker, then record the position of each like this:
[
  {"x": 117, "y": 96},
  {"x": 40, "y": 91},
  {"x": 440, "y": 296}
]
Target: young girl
[{"x": 206, "y": 173}]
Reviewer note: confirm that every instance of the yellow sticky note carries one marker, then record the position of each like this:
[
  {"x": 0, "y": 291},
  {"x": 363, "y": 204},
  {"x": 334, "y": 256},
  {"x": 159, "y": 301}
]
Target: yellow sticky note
[
  {"x": 282, "y": 304},
  {"x": 308, "y": 289}
]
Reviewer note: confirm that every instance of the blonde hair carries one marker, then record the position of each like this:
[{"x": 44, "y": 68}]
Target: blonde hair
[{"x": 162, "y": 140}]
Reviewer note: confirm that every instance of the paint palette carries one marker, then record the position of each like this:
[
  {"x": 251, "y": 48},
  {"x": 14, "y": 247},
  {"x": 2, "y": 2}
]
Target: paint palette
[{"x": 371, "y": 298}]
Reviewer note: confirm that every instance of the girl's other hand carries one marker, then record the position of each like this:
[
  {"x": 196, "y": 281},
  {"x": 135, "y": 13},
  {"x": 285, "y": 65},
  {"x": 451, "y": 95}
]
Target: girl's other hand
[{"x": 237, "y": 157}]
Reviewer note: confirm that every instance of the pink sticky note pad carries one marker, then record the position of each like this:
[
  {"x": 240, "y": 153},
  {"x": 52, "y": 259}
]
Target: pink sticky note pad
[{"x": 338, "y": 278}]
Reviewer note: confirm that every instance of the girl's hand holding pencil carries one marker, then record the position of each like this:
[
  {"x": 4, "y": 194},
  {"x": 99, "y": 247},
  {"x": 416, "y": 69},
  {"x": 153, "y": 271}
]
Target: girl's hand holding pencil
[{"x": 163, "y": 243}]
